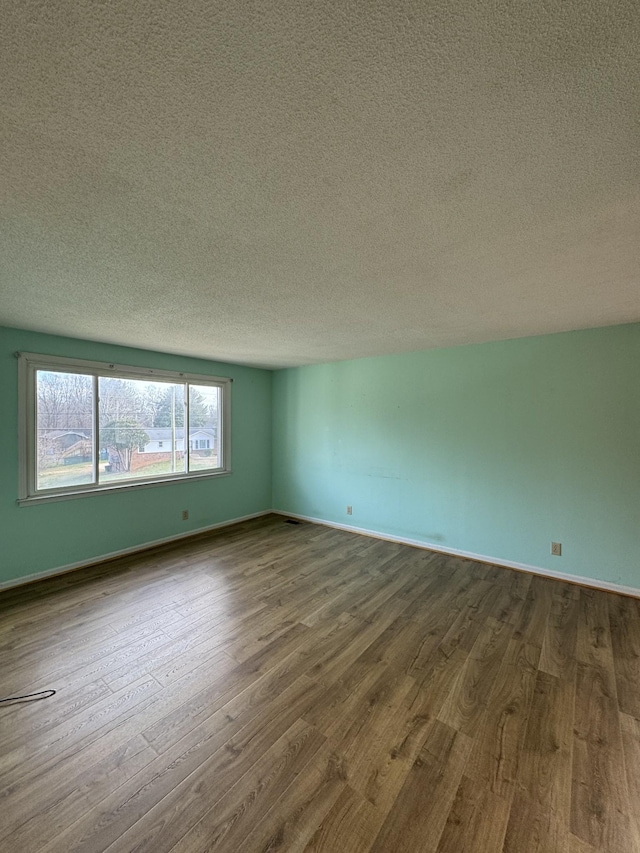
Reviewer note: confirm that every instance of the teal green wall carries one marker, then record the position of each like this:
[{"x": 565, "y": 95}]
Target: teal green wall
[
  {"x": 39, "y": 537},
  {"x": 495, "y": 449}
]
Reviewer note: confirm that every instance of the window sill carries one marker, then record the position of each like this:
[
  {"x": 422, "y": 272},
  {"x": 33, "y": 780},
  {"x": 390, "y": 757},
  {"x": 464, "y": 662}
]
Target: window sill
[{"x": 49, "y": 497}]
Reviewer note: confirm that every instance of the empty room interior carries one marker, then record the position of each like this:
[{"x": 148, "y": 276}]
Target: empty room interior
[{"x": 320, "y": 424}]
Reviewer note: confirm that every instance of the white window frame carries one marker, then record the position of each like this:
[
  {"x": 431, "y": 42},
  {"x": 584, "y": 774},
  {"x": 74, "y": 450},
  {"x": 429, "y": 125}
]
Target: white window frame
[{"x": 29, "y": 363}]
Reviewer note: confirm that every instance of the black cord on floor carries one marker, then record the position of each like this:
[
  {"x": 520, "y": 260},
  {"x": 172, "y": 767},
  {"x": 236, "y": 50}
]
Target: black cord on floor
[{"x": 33, "y": 697}]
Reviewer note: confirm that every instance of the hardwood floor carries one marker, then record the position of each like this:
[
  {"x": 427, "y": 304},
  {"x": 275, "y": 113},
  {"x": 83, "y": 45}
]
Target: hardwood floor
[{"x": 281, "y": 686}]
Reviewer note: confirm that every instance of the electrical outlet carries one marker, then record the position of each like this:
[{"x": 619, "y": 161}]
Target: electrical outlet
[
  {"x": 185, "y": 514},
  {"x": 556, "y": 549},
  {"x": 349, "y": 510}
]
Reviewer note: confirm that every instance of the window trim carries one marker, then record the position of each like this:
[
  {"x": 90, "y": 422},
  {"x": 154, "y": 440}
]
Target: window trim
[{"x": 29, "y": 363}]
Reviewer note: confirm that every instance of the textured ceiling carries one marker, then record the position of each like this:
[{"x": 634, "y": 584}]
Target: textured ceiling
[{"x": 280, "y": 182}]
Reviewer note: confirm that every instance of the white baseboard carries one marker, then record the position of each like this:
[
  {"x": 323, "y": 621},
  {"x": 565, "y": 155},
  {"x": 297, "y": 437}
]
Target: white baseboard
[
  {"x": 123, "y": 552},
  {"x": 401, "y": 540},
  {"x": 481, "y": 558}
]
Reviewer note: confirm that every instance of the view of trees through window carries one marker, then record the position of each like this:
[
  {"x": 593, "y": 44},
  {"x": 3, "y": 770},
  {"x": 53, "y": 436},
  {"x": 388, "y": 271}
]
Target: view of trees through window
[
  {"x": 65, "y": 432},
  {"x": 140, "y": 432}
]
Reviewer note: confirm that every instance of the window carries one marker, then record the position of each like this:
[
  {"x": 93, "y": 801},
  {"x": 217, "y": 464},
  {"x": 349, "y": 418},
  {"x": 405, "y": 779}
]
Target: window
[{"x": 88, "y": 427}]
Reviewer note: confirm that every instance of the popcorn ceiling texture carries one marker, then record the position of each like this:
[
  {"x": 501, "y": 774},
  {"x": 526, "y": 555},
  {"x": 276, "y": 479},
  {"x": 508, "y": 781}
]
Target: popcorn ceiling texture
[{"x": 284, "y": 182}]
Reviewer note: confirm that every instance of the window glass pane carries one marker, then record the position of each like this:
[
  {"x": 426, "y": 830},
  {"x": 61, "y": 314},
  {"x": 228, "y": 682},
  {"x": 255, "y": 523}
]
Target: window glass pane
[
  {"x": 141, "y": 429},
  {"x": 88, "y": 430},
  {"x": 204, "y": 427},
  {"x": 64, "y": 429}
]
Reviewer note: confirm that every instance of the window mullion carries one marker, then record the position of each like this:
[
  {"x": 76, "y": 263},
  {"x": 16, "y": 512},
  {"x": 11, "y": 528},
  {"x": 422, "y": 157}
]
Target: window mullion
[
  {"x": 96, "y": 433},
  {"x": 187, "y": 429}
]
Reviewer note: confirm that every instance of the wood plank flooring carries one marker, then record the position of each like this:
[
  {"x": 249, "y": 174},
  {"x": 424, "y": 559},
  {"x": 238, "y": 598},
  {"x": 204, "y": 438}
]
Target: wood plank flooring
[{"x": 278, "y": 686}]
